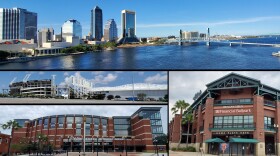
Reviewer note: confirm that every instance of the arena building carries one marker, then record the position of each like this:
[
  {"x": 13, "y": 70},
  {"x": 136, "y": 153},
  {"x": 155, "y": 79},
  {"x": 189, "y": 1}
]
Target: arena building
[
  {"x": 151, "y": 91},
  {"x": 4, "y": 143},
  {"x": 234, "y": 115},
  {"x": 118, "y": 133}
]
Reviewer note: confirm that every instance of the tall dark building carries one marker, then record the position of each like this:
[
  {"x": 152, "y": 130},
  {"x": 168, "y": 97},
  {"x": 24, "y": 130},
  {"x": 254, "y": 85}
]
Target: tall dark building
[
  {"x": 17, "y": 23},
  {"x": 96, "y": 28}
]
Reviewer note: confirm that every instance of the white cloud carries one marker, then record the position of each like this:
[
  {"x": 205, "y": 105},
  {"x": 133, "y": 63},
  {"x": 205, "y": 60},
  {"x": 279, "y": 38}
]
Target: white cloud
[
  {"x": 101, "y": 79},
  {"x": 158, "y": 78},
  {"x": 141, "y": 73},
  {"x": 65, "y": 74},
  {"x": 226, "y": 22}
]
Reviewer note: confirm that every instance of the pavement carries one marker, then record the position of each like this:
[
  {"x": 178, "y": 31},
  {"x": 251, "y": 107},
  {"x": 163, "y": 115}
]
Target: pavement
[
  {"x": 70, "y": 101},
  {"x": 172, "y": 153},
  {"x": 111, "y": 154}
]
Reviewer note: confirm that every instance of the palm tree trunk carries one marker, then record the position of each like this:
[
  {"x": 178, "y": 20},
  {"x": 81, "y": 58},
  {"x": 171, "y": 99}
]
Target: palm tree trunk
[
  {"x": 180, "y": 136},
  {"x": 187, "y": 143}
]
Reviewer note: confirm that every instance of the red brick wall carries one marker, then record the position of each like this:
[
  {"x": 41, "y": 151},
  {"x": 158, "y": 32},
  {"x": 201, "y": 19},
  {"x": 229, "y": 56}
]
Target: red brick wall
[
  {"x": 208, "y": 119},
  {"x": 259, "y": 117},
  {"x": 4, "y": 144},
  {"x": 176, "y": 129}
]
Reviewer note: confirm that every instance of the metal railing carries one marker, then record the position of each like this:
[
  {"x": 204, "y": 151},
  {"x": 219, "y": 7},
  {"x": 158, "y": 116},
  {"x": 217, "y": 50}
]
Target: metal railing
[
  {"x": 269, "y": 103},
  {"x": 233, "y": 101}
]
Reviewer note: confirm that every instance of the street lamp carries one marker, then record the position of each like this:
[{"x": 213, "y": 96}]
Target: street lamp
[
  {"x": 125, "y": 145},
  {"x": 9, "y": 145},
  {"x": 156, "y": 141},
  {"x": 276, "y": 140},
  {"x": 68, "y": 143},
  {"x": 97, "y": 146},
  {"x": 39, "y": 137}
]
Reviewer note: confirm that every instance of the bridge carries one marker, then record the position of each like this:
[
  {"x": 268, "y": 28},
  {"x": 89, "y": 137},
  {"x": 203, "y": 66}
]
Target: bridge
[
  {"x": 208, "y": 41},
  {"x": 224, "y": 42}
]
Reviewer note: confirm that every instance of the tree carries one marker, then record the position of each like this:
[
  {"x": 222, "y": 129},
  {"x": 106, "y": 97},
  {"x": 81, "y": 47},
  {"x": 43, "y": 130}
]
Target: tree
[
  {"x": 180, "y": 105},
  {"x": 13, "y": 125},
  {"x": 188, "y": 118},
  {"x": 117, "y": 97},
  {"x": 4, "y": 55},
  {"x": 110, "y": 97},
  {"x": 166, "y": 97},
  {"x": 196, "y": 95},
  {"x": 141, "y": 96}
]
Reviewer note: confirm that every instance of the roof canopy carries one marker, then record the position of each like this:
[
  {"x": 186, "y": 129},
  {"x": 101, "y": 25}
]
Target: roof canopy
[
  {"x": 215, "y": 140},
  {"x": 243, "y": 140}
]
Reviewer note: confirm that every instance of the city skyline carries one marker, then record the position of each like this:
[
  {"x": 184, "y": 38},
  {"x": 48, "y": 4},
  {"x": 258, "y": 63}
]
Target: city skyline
[
  {"x": 232, "y": 18},
  {"x": 99, "y": 79}
]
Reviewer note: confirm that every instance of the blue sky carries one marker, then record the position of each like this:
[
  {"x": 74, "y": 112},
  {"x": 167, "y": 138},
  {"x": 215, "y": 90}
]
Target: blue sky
[
  {"x": 164, "y": 17},
  {"x": 99, "y": 78}
]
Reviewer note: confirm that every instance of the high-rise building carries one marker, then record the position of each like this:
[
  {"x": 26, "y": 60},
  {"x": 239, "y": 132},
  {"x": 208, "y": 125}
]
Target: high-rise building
[
  {"x": 96, "y": 28},
  {"x": 110, "y": 31},
  {"x": 17, "y": 23},
  {"x": 128, "y": 23},
  {"x": 128, "y": 27},
  {"x": 71, "y": 28},
  {"x": 45, "y": 35}
]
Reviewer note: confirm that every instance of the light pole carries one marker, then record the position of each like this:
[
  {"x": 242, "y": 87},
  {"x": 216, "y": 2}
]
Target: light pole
[
  {"x": 9, "y": 145},
  {"x": 125, "y": 145},
  {"x": 156, "y": 141},
  {"x": 276, "y": 140},
  {"x": 97, "y": 145},
  {"x": 68, "y": 143},
  {"x": 39, "y": 137}
]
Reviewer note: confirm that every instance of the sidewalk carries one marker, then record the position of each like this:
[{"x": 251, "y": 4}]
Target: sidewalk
[{"x": 172, "y": 153}]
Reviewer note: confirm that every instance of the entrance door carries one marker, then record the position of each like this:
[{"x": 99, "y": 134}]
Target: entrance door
[{"x": 269, "y": 144}]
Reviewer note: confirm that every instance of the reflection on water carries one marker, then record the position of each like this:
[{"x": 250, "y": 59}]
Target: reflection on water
[{"x": 162, "y": 57}]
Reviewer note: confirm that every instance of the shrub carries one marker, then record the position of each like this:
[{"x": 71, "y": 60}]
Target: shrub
[{"x": 173, "y": 149}]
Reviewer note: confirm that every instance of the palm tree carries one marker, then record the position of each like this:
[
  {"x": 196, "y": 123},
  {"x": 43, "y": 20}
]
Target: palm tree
[
  {"x": 11, "y": 125},
  {"x": 180, "y": 105},
  {"x": 188, "y": 118}
]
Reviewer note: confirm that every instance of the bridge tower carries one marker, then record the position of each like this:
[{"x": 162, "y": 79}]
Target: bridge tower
[
  {"x": 208, "y": 36},
  {"x": 180, "y": 38}
]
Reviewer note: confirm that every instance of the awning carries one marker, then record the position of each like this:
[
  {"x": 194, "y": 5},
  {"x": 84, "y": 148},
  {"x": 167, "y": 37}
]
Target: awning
[
  {"x": 242, "y": 140},
  {"x": 218, "y": 140}
]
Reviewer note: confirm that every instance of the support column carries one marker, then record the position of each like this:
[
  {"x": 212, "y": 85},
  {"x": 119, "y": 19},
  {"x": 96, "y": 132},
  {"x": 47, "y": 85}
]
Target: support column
[
  {"x": 277, "y": 121},
  {"x": 208, "y": 119},
  {"x": 259, "y": 121},
  {"x": 198, "y": 135}
]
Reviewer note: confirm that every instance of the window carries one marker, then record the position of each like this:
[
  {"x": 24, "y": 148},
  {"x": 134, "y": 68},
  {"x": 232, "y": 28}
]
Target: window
[
  {"x": 268, "y": 122},
  {"x": 46, "y": 123},
  {"x": 78, "y": 131},
  {"x": 61, "y": 121},
  {"x": 233, "y": 121},
  {"x": 53, "y": 122},
  {"x": 78, "y": 119},
  {"x": 69, "y": 121}
]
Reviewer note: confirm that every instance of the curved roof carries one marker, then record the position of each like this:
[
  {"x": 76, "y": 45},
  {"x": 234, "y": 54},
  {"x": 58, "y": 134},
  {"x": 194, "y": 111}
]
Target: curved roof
[{"x": 137, "y": 86}]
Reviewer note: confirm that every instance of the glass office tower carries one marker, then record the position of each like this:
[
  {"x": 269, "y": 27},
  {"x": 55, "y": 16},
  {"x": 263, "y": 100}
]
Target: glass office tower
[
  {"x": 72, "y": 28},
  {"x": 128, "y": 23},
  {"x": 110, "y": 31},
  {"x": 96, "y": 28},
  {"x": 17, "y": 23}
]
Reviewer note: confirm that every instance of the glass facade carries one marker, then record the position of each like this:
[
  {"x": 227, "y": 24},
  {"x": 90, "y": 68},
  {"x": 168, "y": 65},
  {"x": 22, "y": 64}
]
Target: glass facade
[
  {"x": 96, "y": 23},
  {"x": 46, "y": 123},
  {"x": 155, "y": 120},
  {"x": 69, "y": 121},
  {"x": 122, "y": 126},
  {"x": 129, "y": 20},
  {"x": 71, "y": 28},
  {"x": 245, "y": 121},
  {"x": 53, "y": 122}
]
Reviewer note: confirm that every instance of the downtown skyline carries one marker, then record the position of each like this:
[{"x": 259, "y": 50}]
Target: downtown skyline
[{"x": 229, "y": 18}]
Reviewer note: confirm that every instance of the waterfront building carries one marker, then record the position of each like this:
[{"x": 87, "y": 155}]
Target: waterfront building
[
  {"x": 4, "y": 143},
  {"x": 128, "y": 27},
  {"x": 39, "y": 88},
  {"x": 96, "y": 28},
  {"x": 152, "y": 91},
  {"x": 190, "y": 35},
  {"x": 108, "y": 134},
  {"x": 240, "y": 111},
  {"x": 111, "y": 31},
  {"x": 45, "y": 35},
  {"x": 71, "y": 28},
  {"x": 17, "y": 23}
]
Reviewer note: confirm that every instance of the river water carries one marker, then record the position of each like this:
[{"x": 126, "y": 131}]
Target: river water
[{"x": 165, "y": 57}]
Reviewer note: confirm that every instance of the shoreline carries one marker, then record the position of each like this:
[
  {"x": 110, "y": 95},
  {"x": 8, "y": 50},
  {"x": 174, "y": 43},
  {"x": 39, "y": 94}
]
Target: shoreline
[{"x": 137, "y": 45}]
